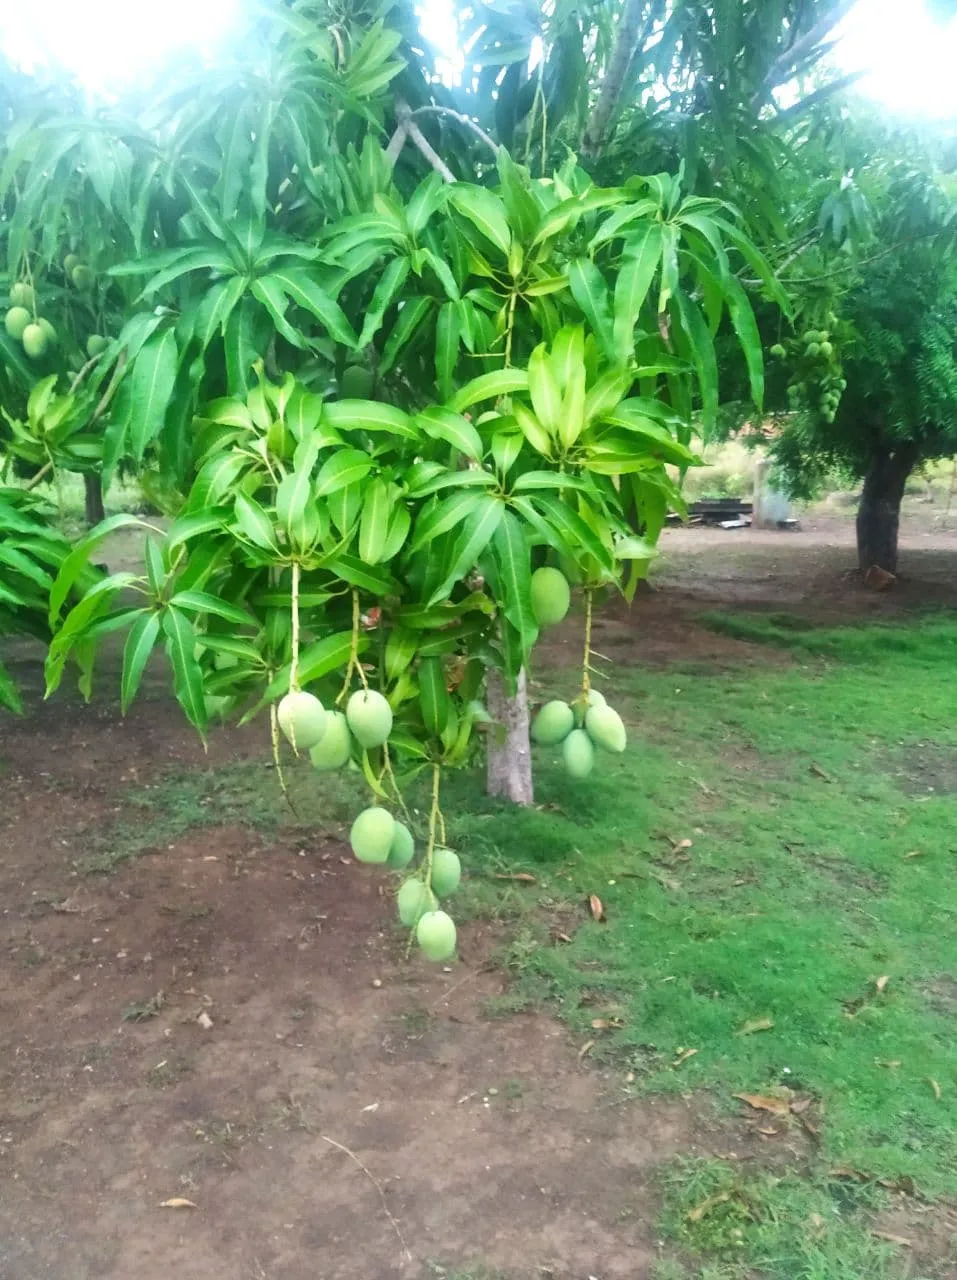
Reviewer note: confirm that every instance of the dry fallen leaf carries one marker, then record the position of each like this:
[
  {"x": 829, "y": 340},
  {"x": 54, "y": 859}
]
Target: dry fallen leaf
[
  {"x": 762, "y": 1102},
  {"x": 684, "y": 1055},
  {"x": 935, "y": 1086},
  {"x": 904, "y": 1184},
  {"x": 205, "y": 1021},
  {"x": 881, "y": 983},
  {"x": 800, "y": 1105},
  {"x": 373, "y": 1106},
  {"x": 595, "y": 907},
  {"x": 889, "y": 1235},
  {"x": 520, "y": 877},
  {"x": 890, "y": 1062},
  {"x": 769, "y": 1133},
  {"x": 705, "y": 1207},
  {"x": 606, "y": 1024},
  {"x": 586, "y": 1048},
  {"x": 685, "y": 844},
  {"x": 756, "y": 1024},
  {"x": 914, "y": 853},
  {"x": 177, "y": 1202},
  {"x": 820, "y": 773}
]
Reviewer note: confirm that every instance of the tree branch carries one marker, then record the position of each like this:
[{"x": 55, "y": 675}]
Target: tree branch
[
  {"x": 408, "y": 129},
  {"x": 433, "y": 157},
  {"x": 462, "y": 120},
  {"x": 786, "y": 61},
  {"x": 629, "y": 27}
]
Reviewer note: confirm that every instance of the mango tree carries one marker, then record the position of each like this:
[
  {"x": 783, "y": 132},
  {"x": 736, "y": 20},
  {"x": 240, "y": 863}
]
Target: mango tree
[{"x": 388, "y": 423}]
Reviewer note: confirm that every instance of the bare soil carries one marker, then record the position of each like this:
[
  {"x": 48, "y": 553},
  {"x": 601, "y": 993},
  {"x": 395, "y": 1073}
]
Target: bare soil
[{"x": 343, "y": 1114}]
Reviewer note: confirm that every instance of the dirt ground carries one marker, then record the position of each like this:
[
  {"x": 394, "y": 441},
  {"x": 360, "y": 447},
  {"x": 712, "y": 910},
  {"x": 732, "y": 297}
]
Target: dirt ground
[{"x": 342, "y": 1115}]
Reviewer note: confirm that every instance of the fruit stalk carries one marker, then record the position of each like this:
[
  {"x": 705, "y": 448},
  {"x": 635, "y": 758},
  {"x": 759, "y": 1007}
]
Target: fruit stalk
[
  {"x": 586, "y": 660},
  {"x": 294, "y": 665},
  {"x": 354, "y": 664}
]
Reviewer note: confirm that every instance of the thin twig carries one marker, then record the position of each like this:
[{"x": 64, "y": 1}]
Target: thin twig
[
  {"x": 83, "y": 372},
  {"x": 38, "y": 478},
  {"x": 352, "y": 1156}
]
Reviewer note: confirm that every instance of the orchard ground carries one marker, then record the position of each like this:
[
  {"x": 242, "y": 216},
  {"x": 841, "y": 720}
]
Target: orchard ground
[{"x": 774, "y": 859}]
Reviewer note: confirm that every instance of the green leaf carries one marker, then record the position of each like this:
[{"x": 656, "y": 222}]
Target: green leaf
[
  {"x": 269, "y": 292},
  {"x": 374, "y": 522},
  {"x": 439, "y": 423},
  {"x": 703, "y": 354},
  {"x": 423, "y": 202},
  {"x": 566, "y": 214},
  {"x": 366, "y": 577},
  {"x": 445, "y": 515},
  {"x": 532, "y": 429},
  {"x": 745, "y": 326},
  {"x": 297, "y": 283},
  {"x": 475, "y": 535},
  {"x": 343, "y": 468},
  {"x": 203, "y": 602},
  {"x": 514, "y": 573},
  {"x": 411, "y": 315},
  {"x": 181, "y": 641},
  {"x": 471, "y": 479},
  {"x": 533, "y": 480},
  {"x": 75, "y": 563},
  {"x": 433, "y": 695},
  {"x": 489, "y": 386},
  {"x": 399, "y": 651},
  {"x": 368, "y": 415},
  {"x": 446, "y": 347},
  {"x": 607, "y": 392},
  {"x": 572, "y": 529},
  {"x": 151, "y": 381},
  {"x": 9, "y": 694},
  {"x": 386, "y": 291},
  {"x": 591, "y": 293},
  {"x": 136, "y": 652},
  {"x": 544, "y": 390},
  {"x": 639, "y": 263},
  {"x": 242, "y": 350},
  {"x": 254, "y": 524},
  {"x": 485, "y": 211}
]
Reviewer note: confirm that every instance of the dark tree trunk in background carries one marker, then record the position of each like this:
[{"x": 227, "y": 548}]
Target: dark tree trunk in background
[
  {"x": 878, "y": 516},
  {"x": 509, "y": 759},
  {"x": 94, "y": 499}
]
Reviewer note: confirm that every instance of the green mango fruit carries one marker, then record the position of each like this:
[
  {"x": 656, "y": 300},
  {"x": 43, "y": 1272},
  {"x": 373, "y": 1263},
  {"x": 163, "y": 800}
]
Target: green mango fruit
[
  {"x": 372, "y": 834},
  {"x": 551, "y": 596},
  {"x": 15, "y": 321},
  {"x": 553, "y": 723},
  {"x": 35, "y": 341},
  {"x": 302, "y": 719},
  {"x": 446, "y": 872},
  {"x": 435, "y": 934},
  {"x": 578, "y": 754},
  {"x": 402, "y": 848},
  {"x": 413, "y": 900},
  {"x": 605, "y": 728},
  {"x": 334, "y": 748},
  {"x": 370, "y": 717}
]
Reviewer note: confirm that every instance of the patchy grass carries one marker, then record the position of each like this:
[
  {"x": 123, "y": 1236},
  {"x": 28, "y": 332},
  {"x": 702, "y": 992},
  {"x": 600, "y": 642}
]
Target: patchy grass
[{"x": 802, "y": 943}]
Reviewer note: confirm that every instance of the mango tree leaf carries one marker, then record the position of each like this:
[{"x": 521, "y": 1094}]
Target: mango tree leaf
[
  {"x": 181, "y": 641},
  {"x": 440, "y": 423},
  {"x": 703, "y": 355},
  {"x": 297, "y": 283},
  {"x": 254, "y": 524},
  {"x": 639, "y": 263},
  {"x": 368, "y": 415},
  {"x": 76, "y": 562},
  {"x": 386, "y": 291},
  {"x": 474, "y": 537},
  {"x": 591, "y": 294},
  {"x": 374, "y": 522},
  {"x": 485, "y": 211},
  {"x": 151, "y": 385},
  {"x": 489, "y": 386},
  {"x": 136, "y": 652},
  {"x": 513, "y": 570},
  {"x": 411, "y": 316},
  {"x": 446, "y": 347},
  {"x": 745, "y": 326},
  {"x": 204, "y": 602},
  {"x": 433, "y": 695}
]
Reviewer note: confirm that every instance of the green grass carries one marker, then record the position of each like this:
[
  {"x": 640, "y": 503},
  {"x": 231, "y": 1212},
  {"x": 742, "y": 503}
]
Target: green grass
[{"x": 800, "y": 787}]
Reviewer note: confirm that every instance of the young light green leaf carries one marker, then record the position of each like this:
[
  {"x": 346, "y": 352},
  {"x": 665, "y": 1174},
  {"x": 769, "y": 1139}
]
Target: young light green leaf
[
  {"x": 254, "y": 524},
  {"x": 368, "y": 415},
  {"x": 440, "y": 423},
  {"x": 204, "y": 602},
  {"x": 544, "y": 390},
  {"x": 489, "y": 386},
  {"x": 591, "y": 294}
]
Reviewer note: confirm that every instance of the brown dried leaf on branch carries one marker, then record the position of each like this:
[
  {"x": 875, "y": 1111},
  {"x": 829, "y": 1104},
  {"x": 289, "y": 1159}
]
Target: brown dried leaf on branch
[{"x": 764, "y": 1102}]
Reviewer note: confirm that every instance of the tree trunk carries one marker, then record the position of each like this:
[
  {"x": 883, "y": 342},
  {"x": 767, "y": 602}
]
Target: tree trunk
[
  {"x": 509, "y": 761},
  {"x": 94, "y": 499},
  {"x": 878, "y": 516},
  {"x": 626, "y": 43}
]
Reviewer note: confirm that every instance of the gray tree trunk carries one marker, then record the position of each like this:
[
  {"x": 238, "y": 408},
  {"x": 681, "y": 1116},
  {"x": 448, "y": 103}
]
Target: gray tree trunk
[{"x": 509, "y": 760}]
